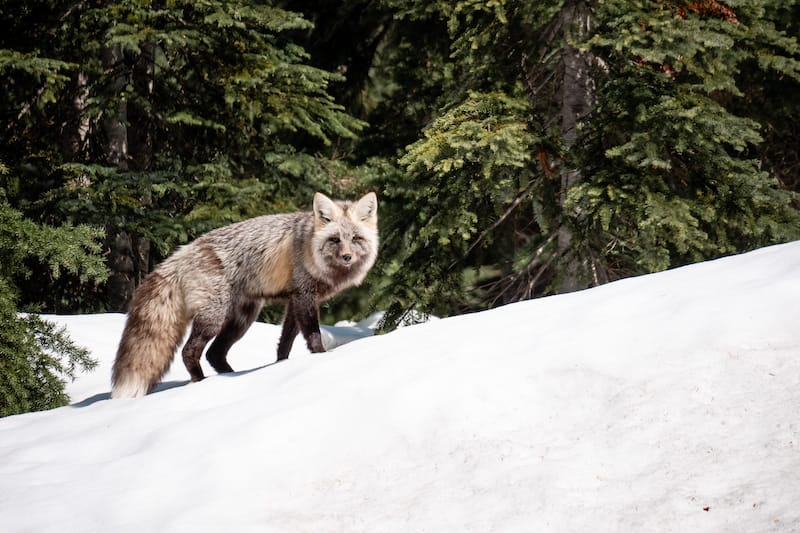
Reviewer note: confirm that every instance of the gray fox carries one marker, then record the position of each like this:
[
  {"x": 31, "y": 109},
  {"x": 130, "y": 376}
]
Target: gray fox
[{"x": 221, "y": 280}]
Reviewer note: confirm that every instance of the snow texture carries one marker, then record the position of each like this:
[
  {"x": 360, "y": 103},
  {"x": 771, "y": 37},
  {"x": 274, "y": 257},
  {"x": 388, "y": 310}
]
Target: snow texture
[{"x": 662, "y": 403}]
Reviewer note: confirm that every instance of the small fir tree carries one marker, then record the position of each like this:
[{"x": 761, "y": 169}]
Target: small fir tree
[{"x": 35, "y": 357}]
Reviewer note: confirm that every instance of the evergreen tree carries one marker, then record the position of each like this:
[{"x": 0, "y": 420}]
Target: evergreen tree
[
  {"x": 167, "y": 119},
  {"x": 625, "y": 128},
  {"x": 521, "y": 148},
  {"x": 678, "y": 181},
  {"x": 35, "y": 357},
  {"x": 500, "y": 151}
]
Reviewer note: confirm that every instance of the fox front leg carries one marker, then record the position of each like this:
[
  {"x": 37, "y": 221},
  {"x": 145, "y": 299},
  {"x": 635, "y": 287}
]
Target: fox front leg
[
  {"x": 309, "y": 325},
  {"x": 301, "y": 316},
  {"x": 288, "y": 333}
]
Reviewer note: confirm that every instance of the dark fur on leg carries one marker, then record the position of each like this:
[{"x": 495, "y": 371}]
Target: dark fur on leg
[
  {"x": 202, "y": 332},
  {"x": 288, "y": 333},
  {"x": 301, "y": 316},
  {"x": 307, "y": 317},
  {"x": 233, "y": 330}
]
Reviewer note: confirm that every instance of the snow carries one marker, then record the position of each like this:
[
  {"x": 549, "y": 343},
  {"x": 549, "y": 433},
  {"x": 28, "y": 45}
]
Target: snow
[{"x": 666, "y": 402}]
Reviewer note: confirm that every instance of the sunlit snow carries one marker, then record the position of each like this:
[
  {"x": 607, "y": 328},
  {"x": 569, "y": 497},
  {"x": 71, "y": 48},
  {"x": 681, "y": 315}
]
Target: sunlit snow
[{"x": 668, "y": 402}]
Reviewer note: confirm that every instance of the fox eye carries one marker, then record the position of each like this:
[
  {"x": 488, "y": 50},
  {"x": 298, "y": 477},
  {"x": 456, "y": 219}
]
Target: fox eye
[
  {"x": 357, "y": 238},
  {"x": 334, "y": 240}
]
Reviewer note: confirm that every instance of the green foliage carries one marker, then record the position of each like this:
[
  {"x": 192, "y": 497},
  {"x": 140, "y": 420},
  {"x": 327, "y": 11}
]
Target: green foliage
[
  {"x": 35, "y": 358},
  {"x": 678, "y": 182},
  {"x": 228, "y": 77},
  {"x": 73, "y": 249},
  {"x": 46, "y": 72},
  {"x": 520, "y": 148},
  {"x": 473, "y": 162},
  {"x": 163, "y": 119},
  {"x": 669, "y": 168}
]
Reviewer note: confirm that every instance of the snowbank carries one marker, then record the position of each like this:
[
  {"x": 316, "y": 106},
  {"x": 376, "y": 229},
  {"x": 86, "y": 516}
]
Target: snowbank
[{"x": 660, "y": 403}]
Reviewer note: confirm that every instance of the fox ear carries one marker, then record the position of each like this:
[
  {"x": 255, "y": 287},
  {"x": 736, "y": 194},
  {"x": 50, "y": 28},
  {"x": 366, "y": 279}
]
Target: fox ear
[
  {"x": 325, "y": 209},
  {"x": 367, "y": 208}
]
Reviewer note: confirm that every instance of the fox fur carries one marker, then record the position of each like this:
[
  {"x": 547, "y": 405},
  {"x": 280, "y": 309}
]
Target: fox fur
[{"x": 220, "y": 281}]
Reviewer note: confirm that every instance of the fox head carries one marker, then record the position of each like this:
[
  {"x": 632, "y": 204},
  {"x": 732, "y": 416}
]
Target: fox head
[{"x": 345, "y": 238}]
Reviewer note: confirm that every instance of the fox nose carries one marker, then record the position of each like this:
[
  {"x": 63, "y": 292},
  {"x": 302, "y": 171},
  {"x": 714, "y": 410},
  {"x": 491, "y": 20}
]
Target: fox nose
[{"x": 346, "y": 258}]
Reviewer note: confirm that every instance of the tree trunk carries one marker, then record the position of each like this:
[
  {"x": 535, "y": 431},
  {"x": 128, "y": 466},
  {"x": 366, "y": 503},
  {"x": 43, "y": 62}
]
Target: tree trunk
[
  {"x": 130, "y": 147},
  {"x": 140, "y": 130},
  {"x": 120, "y": 285},
  {"x": 575, "y": 99},
  {"x": 116, "y": 113},
  {"x": 140, "y": 138},
  {"x": 75, "y": 127}
]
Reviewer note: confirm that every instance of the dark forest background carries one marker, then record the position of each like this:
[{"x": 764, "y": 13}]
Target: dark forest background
[{"x": 518, "y": 148}]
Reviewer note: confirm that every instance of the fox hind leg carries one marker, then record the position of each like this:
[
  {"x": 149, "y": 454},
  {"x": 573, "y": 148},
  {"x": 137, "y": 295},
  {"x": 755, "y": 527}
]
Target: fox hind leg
[
  {"x": 237, "y": 324},
  {"x": 202, "y": 332}
]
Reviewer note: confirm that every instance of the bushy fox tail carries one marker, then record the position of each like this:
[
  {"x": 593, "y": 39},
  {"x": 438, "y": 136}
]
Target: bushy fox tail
[{"x": 155, "y": 326}]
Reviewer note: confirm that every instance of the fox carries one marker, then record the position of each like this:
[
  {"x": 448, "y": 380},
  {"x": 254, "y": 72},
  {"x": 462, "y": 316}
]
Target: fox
[{"x": 219, "y": 283}]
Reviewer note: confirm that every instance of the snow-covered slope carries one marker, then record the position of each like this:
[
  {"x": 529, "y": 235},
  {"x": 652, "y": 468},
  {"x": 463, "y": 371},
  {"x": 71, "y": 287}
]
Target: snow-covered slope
[{"x": 666, "y": 402}]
